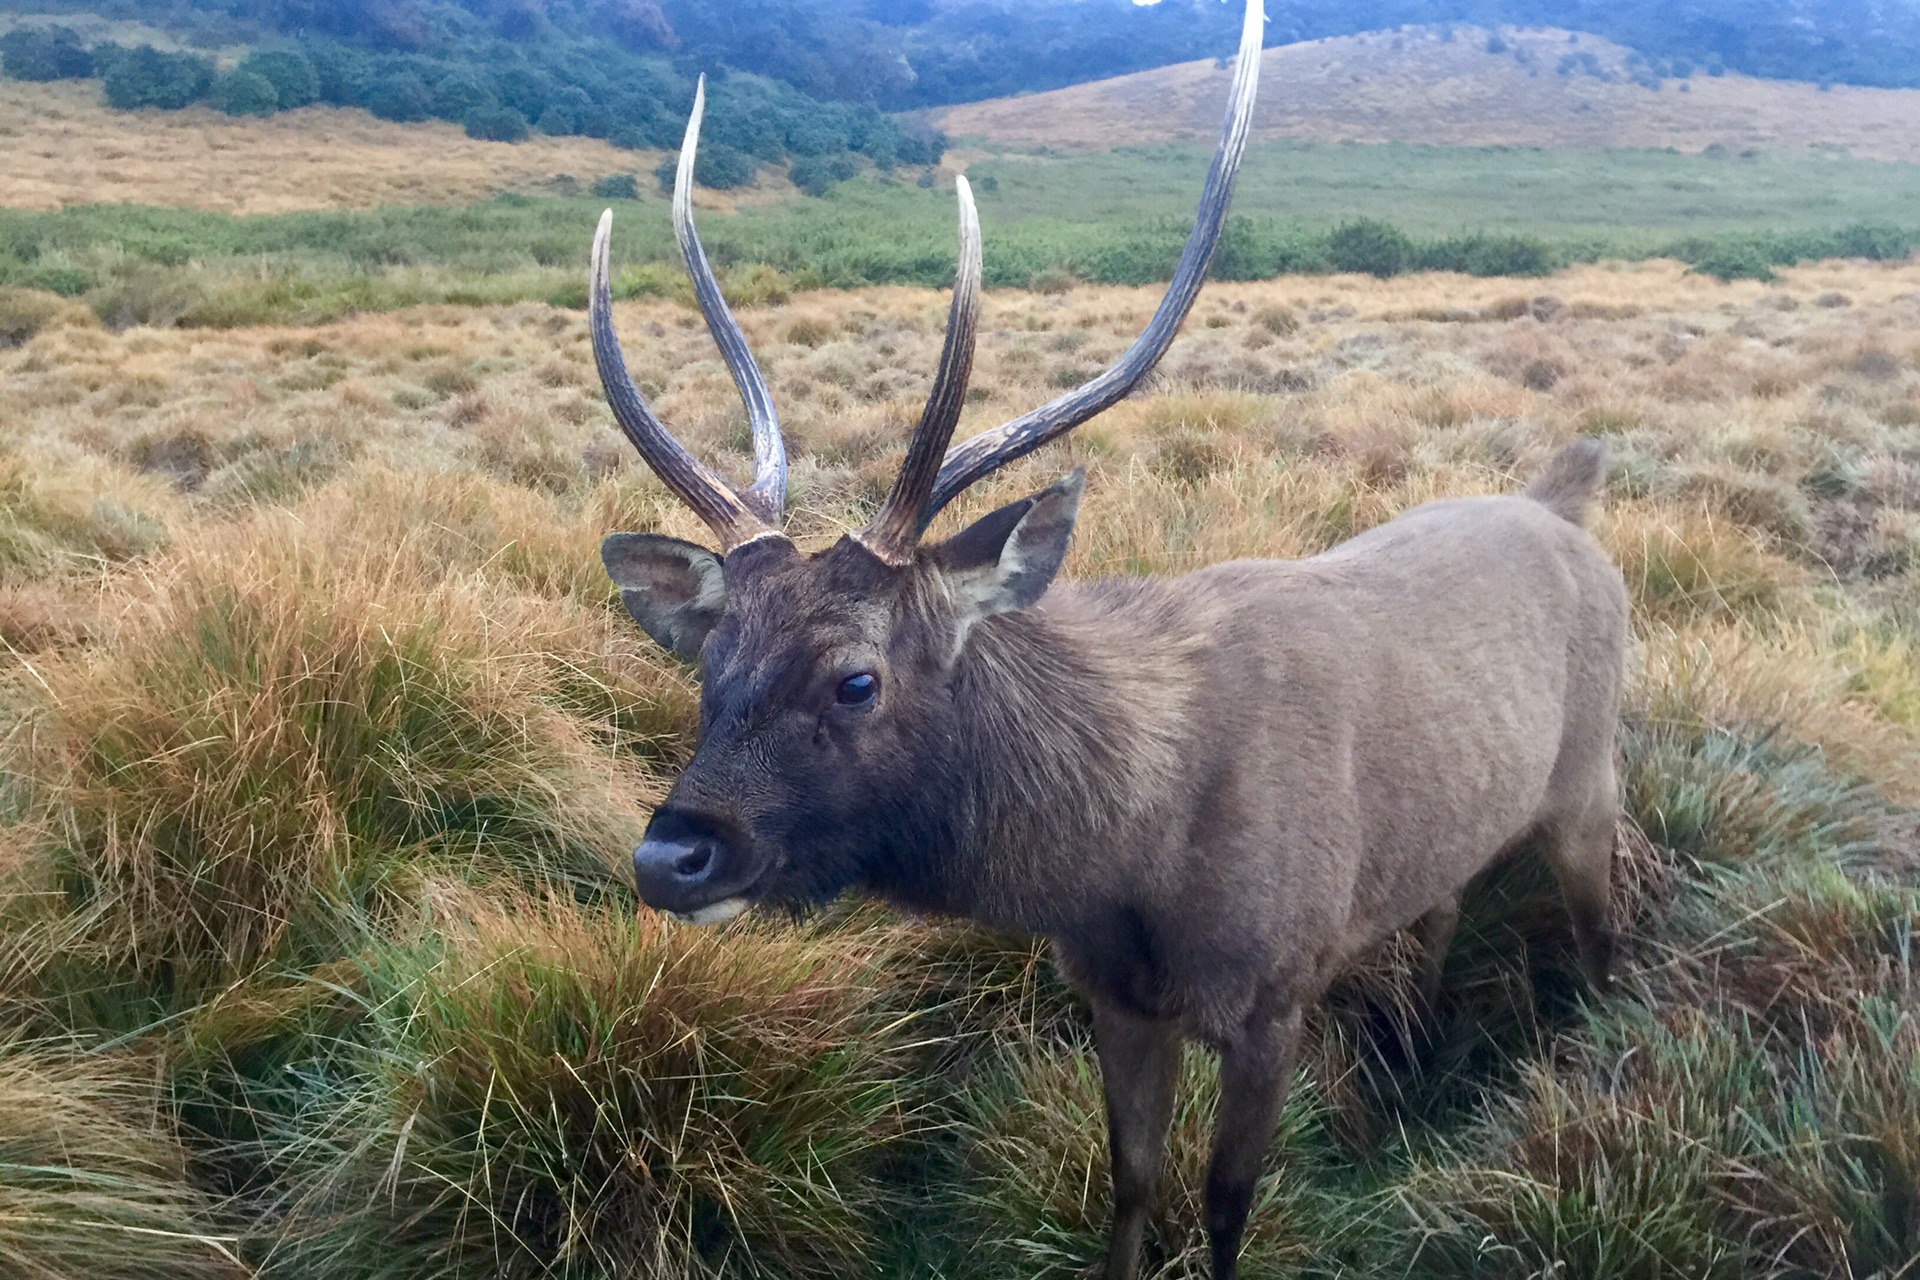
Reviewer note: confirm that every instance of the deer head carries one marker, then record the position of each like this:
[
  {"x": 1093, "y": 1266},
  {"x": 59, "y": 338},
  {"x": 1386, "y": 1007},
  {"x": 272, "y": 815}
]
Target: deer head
[{"x": 828, "y": 678}]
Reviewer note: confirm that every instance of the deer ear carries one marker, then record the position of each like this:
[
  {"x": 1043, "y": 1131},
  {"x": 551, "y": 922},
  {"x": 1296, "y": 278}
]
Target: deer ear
[
  {"x": 1006, "y": 560},
  {"x": 673, "y": 589}
]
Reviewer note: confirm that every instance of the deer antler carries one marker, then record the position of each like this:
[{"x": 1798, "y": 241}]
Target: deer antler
[
  {"x": 973, "y": 459},
  {"x": 895, "y": 530},
  {"x": 737, "y": 517},
  {"x": 927, "y": 480}
]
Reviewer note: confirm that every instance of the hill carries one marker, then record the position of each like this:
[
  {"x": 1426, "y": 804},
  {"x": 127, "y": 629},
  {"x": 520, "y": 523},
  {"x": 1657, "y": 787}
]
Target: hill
[
  {"x": 1543, "y": 87},
  {"x": 64, "y": 147}
]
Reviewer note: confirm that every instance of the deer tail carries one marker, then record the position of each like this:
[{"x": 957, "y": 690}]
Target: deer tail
[{"x": 1571, "y": 481}]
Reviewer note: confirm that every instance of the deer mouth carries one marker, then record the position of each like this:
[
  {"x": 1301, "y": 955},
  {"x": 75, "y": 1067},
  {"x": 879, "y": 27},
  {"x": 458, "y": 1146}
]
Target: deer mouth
[{"x": 714, "y": 913}]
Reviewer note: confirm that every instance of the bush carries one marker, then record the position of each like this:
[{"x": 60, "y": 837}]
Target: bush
[
  {"x": 459, "y": 93},
  {"x": 25, "y": 312},
  {"x": 616, "y": 186},
  {"x": 294, "y": 80},
  {"x": 817, "y": 175},
  {"x": 1732, "y": 260},
  {"x": 1882, "y": 244},
  {"x": 1371, "y": 246},
  {"x": 49, "y": 53},
  {"x": 1490, "y": 255},
  {"x": 717, "y": 165},
  {"x": 242, "y": 93},
  {"x": 496, "y": 124},
  {"x": 146, "y": 77},
  {"x": 400, "y": 96},
  {"x": 340, "y": 74}
]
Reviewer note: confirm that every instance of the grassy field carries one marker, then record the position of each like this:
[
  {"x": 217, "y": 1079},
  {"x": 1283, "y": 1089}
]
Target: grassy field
[
  {"x": 64, "y": 146},
  {"x": 1050, "y": 218},
  {"x": 324, "y": 745}
]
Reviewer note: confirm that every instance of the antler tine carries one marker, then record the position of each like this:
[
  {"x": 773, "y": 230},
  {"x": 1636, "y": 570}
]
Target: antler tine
[
  {"x": 709, "y": 496},
  {"x": 896, "y": 529},
  {"x": 972, "y": 459},
  {"x": 767, "y": 495}
]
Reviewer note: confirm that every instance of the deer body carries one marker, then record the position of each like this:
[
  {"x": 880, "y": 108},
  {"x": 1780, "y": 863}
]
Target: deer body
[
  {"x": 1234, "y": 782},
  {"x": 1212, "y": 792}
]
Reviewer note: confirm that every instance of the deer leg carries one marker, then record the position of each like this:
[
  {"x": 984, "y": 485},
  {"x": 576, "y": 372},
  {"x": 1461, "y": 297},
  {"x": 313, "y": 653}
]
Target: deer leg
[
  {"x": 1581, "y": 854},
  {"x": 1139, "y": 1064},
  {"x": 1254, "y": 1074},
  {"x": 1434, "y": 932}
]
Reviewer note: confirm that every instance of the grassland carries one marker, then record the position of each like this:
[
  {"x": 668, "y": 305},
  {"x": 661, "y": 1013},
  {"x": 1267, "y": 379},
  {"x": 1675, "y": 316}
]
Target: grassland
[
  {"x": 1462, "y": 86},
  {"x": 324, "y": 745},
  {"x": 1051, "y": 218},
  {"x": 64, "y": 146}
]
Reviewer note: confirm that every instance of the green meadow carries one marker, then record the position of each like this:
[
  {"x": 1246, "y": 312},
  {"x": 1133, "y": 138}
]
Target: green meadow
[{"x": 1113, "y": 217}]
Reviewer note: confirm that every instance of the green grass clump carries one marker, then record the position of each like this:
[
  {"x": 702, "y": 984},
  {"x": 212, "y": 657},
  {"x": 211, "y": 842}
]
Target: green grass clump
[
  {"x": 92, "y": 1180},
  {"x": 261, "y": 769},
  {"x": 58, "y": 518},
  {"x": 562, "y": 1092}
]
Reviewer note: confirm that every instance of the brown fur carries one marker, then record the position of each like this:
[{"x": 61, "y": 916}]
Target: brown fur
[{"x": 1212, "y": 792}]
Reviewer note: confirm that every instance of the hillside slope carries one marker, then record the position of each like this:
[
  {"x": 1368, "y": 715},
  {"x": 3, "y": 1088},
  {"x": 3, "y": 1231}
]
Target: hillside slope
[
  {"x": 1544, "y": 88},
  {"x": 60, "y": 146}
]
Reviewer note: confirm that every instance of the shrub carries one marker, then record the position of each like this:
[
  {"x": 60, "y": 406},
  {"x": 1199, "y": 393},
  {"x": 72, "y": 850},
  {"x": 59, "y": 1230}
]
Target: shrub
[
  {"x": 616, "y": 186},
  {"x": 1731, "y": 260},
  {"x": 817, "y": 175},
  {"x": 1490, "y": 255},
  {"x": 25, "y": 312},
  {"x": 295, "y": 82},
  {"x": 146, "y": 77},
  {"x": 45, "y": 53},
  {"x": 496, "y": 124},
  {"x": 400, "y": 96},
  {"x": 717, "y": 165},
  {"x": 242, "y": 93},
  {"x": 1881, "y": 243},
  {"x": 1371, "y": 246}
]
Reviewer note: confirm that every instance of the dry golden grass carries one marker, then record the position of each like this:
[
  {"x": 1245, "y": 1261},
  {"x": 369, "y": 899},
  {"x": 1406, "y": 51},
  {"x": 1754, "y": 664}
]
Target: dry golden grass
[
  {"x": 1421, "y": 86},
  {"x": 1766, "y": 459},
  {"x": 61, "y": 145},
  {"x": 312, "y": 685}
]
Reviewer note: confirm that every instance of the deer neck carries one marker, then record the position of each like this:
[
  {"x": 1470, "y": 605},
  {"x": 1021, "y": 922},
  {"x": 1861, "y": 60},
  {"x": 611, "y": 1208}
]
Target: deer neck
[{"x": 1070, "y": 723}]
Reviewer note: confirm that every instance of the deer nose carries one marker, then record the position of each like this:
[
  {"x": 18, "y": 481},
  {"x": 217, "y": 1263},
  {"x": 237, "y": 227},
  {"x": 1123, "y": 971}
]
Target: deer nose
[
  {"x": 674, "y": 868},
  {"x": 689, "y": 876}
]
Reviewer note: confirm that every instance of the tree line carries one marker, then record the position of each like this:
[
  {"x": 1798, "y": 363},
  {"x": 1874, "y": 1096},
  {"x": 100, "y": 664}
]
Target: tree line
[{"x": 498, "y": 81}]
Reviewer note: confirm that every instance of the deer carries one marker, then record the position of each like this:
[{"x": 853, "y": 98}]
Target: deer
[{"x": 1211, "y": 793}]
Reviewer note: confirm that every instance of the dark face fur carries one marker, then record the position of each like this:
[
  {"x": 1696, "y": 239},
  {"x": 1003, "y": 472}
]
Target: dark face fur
[{"x": 822, "y": 761}]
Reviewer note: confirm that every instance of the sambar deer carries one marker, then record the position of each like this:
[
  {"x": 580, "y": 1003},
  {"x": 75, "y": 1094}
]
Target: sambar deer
[{"x": 1210, "y": 792}]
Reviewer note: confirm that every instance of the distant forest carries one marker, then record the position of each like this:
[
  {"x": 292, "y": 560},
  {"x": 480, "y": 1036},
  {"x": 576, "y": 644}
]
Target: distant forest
[{"x": 894, "y": 55}]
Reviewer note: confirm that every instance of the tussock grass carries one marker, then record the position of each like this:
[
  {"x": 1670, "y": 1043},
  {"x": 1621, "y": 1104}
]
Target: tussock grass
[
  {"x": 92, "y": 1180},
  {"x": 274, "y": 748},
  {"x": 67, "y": 516},
  {"x": 546, "y": 1089},
  {"x": 323, "y": 743},
  {"x": 1036, "y": 1171}
]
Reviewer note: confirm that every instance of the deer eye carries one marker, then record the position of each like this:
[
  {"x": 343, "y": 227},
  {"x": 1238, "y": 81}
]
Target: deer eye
[{"x": 857, "y": 689}]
